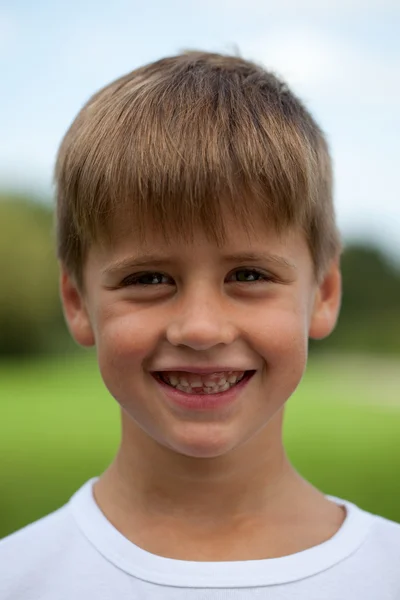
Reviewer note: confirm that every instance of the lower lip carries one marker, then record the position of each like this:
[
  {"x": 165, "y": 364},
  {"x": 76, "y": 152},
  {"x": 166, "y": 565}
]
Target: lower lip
[{"x": 204, "y": 401}]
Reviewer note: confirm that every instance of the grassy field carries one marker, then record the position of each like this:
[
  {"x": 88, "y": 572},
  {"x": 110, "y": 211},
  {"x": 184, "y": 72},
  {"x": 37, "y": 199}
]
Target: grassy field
[{"x": 59, "y": 427}]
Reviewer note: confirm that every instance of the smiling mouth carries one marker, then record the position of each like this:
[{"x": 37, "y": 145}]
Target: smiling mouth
[{"x": 193, "y": 383}]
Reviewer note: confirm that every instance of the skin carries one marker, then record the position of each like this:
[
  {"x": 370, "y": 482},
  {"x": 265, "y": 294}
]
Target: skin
[{"x": 215, "y": 485}]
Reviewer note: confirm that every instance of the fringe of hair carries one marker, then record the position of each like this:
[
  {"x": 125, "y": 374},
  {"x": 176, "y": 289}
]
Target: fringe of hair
[{"x": 175, "y": 142}]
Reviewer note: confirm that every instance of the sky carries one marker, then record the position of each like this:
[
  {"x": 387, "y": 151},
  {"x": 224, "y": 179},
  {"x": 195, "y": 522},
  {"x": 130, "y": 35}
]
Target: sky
[{"x": 341, "y": 57}]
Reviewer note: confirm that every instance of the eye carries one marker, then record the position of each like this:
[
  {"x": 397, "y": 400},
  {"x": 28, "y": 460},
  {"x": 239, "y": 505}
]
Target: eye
[
  {"x": 251, "y": 276},
  {"x": 150, "y": 278},
  {"x": 154, "y": 278}
]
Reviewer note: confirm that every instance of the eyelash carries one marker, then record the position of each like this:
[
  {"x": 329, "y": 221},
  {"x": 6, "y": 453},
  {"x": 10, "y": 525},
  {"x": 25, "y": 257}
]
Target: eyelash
[{"x": 134, "y": 279}]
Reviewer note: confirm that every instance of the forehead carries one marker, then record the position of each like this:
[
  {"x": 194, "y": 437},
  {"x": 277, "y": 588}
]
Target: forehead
[{"x": 158, "y": 239}]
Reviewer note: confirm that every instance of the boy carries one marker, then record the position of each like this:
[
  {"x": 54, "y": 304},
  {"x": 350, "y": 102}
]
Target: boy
[{"x": 199, "y": 252}]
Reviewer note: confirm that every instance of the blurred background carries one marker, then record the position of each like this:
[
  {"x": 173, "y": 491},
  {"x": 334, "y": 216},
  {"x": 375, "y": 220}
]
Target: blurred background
[{"x": 58, "y": 425}]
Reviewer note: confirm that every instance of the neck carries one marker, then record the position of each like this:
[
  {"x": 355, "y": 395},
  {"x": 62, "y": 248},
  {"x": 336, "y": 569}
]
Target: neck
[
  {"x": 253, "y": 480},
  {"x": 247, "y": 504}
]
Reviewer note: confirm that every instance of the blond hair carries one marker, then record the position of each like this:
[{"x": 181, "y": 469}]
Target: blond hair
[{"x": 176, "y": 141}]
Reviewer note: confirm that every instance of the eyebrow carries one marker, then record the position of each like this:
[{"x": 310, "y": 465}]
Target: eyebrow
[{"x": 154, "y": 260}]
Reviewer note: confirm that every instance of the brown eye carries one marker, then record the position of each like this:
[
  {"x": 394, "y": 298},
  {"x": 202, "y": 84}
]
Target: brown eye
[
  {"x": 144, "y": 279},
  {"x": 153, "y": 278},
  {"x": 251, "y": 276}
]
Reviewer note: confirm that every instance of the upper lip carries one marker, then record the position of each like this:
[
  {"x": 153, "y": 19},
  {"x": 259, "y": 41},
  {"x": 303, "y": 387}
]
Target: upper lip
[{"x": 205, "y": 370}]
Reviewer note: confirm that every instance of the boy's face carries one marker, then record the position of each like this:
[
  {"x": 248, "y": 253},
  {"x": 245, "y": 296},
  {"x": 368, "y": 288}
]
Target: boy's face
[{"x": 202, "y": 309}]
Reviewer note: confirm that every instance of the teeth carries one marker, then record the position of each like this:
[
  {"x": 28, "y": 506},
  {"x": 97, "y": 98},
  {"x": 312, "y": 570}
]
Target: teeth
[
  {"x": 193, "y": 383},
  {"x": 173, "y": 380},
  {"x": 226, "y": 386},
  {"x": 196, "y": 384}
]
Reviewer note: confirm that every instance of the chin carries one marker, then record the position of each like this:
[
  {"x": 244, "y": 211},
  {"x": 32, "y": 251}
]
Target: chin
[
  {"x": 201, "y": 452},
  {"x": 206, "y": 444}
]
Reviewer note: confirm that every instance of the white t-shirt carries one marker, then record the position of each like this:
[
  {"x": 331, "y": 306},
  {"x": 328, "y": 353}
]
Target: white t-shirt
[{"x": 75, "y": 553}]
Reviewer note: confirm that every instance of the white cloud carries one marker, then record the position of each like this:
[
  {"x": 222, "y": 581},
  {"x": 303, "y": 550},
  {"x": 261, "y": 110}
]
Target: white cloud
[{"x": 322, "y": 66}]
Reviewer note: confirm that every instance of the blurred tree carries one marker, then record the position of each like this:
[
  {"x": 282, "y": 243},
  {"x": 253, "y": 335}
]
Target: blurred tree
[
  {"x": 376, "y": 286},
  {"x": 370, "y": 314},
  {"x": 30, "y": 311}
]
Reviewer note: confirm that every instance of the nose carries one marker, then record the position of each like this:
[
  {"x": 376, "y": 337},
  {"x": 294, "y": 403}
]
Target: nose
[{"x": 201, "y": 321}]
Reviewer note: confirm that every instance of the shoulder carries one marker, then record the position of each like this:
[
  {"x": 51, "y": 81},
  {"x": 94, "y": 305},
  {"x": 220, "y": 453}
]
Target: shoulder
[
  {"x": 385, "y": 534},
  {"x": 370, "y": 528},
  {"x": 39, "y": 534},
  {"x": 370, "y": 543},
  {"x": 379, "y": 554},
  {"x": 379, "y": 557},
  {"x": 31, "y": 551}
]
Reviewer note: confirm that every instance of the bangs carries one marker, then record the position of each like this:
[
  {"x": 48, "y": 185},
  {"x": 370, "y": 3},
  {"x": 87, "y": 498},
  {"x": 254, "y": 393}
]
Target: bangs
[
  {"x": 190, "y": 148},
  {"x": 177, "y": 143}
]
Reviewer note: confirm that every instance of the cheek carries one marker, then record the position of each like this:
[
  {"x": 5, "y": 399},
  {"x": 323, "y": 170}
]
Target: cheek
[
  {"x": 278, "y": 334},
  {"x": 281, "y": 340},
  {"x": 124, "y": 341}
]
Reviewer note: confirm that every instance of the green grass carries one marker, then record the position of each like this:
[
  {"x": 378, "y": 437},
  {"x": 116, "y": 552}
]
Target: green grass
[{"x": 60, "y": 427}]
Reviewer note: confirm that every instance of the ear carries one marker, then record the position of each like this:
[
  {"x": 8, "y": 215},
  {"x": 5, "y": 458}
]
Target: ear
[
  {"x": 327, "y": 302},
  {"x": 75, "y": 310}
]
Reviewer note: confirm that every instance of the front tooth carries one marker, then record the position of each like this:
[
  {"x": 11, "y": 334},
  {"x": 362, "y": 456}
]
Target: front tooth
[
  {"x": 196, "y": 384},
  {"x": 210, "y": 384},
  {"x": 173, "y": 380},
  {"x": 222, "y": 381},
  {"x": 184, "y": 381},
  {"x": 232, "y": 378}
]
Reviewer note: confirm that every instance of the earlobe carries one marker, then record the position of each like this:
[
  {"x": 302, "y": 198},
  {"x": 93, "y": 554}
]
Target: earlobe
[
  {"x": 327, "y": 304},
  {"x": 75, "y": 311}
]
